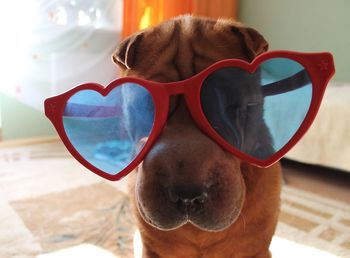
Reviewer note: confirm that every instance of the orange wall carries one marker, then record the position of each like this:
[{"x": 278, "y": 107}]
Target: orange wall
[{"x": 140, "y": 14}]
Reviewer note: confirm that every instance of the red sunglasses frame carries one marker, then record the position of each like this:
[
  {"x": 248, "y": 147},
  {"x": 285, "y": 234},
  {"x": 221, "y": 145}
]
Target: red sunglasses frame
[{"x": 319, "y": 66}]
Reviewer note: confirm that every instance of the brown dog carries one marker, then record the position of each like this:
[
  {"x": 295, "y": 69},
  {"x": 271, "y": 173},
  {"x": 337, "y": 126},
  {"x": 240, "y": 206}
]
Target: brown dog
[{"x": 191, "y": 198}]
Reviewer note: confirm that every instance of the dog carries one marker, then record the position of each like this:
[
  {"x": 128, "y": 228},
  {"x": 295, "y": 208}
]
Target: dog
[{"x": 190, "y": 197}]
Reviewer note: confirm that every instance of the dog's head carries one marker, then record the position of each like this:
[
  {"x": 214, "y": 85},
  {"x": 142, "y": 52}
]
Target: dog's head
[{"x": 187, "y": 177}]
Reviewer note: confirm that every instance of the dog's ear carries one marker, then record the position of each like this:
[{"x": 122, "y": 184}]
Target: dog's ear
[
  {"x": 126, "y": 53},
  {"x": 253, "y": 42}
]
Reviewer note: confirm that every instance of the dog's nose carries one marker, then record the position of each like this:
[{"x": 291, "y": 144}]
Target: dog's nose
[{"x": 188, "y": 197}]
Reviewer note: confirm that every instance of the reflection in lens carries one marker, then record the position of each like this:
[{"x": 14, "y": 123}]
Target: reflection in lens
[
  {"x": 285, "y": 112},
  {"x": 110, "y": 131},
  {"x": 257, "y": 113}
]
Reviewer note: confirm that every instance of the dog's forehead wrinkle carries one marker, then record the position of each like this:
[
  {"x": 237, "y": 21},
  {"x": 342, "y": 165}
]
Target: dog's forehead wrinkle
[
  {"x": 182, "y": 50},
  {"x": 157, "y": 47},
  {"x": 182, "y": 60},
  {"x": 195, "y": 35}
]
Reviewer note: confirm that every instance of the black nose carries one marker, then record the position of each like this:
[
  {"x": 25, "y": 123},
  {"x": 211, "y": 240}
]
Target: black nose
[{"x": 189, "y": 198}]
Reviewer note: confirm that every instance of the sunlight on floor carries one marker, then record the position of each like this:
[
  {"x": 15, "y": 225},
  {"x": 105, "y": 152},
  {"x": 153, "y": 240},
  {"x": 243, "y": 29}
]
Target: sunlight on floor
[
  {"x": 137, "y": 245},
  {"x": 80, "y": 251},
  {"x": 283, "y": 248},
  {"x": 92, "y": 251},
  {"x": 280, "y": 248}
]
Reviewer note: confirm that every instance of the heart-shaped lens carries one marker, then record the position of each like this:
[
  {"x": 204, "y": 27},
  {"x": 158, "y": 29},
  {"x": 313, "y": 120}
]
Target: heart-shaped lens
[
  {"x": 109, "y": 132},
  {"x": 257, "y": 113}
]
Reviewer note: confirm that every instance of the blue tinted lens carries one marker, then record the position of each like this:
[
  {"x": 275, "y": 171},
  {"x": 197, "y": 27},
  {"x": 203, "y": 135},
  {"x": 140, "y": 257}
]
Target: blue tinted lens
[
  {"x": 258, "y": 113},
  {"x": 110, "y": 131}
]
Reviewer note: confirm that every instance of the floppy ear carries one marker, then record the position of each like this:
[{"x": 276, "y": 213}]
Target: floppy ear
[
  {"x": 126, "y": 53},
  {"x": 253, "y": 42}
]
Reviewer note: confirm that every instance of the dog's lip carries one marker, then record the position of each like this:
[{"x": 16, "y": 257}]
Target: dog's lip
[
  {"x": 191, "y": 218},
  {"x": 194, "y": 217},
  {"x": 217, "y": 228},
  {"x": 182, "y": 219}
]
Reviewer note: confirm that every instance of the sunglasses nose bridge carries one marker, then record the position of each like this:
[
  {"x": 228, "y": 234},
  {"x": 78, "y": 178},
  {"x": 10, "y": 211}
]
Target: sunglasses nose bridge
[{"x": 176, "y": 88}]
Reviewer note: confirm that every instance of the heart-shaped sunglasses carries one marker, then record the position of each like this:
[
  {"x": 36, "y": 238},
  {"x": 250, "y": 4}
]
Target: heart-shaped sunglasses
[{"x": 257, "y": 111}]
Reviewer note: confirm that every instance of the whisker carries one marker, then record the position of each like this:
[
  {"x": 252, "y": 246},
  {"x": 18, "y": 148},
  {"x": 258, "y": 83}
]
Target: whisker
[{"x": 243, "y": 219}]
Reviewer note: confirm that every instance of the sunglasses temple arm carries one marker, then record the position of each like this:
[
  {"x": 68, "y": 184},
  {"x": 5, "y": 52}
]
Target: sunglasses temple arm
[{"x": 294, "y": 82}]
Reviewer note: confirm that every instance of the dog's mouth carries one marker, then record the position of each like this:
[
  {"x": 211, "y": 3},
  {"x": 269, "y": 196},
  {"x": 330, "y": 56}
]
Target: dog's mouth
[
  {"x": 198, "y": 217},
  {"x": 213, "y": 210}
]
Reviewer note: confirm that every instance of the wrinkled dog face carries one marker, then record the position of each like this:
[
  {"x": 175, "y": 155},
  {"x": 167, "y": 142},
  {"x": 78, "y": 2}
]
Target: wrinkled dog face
[{"x": 186, "y": 177}]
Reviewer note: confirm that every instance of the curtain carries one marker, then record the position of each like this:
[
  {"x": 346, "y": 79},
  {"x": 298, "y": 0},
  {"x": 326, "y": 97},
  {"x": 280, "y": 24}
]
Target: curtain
[{"x": 49, "y": 46}]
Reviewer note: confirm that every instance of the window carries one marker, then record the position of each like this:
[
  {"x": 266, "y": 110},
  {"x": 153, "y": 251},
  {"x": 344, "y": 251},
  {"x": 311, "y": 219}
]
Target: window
[{"x": 52, "y": 45}]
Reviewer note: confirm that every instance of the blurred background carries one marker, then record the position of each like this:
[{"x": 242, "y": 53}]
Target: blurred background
[{"x": 50, "y": 46}]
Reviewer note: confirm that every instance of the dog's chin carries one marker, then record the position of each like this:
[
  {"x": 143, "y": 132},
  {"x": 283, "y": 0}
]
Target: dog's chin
[{"x": 176, "y": 220}]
